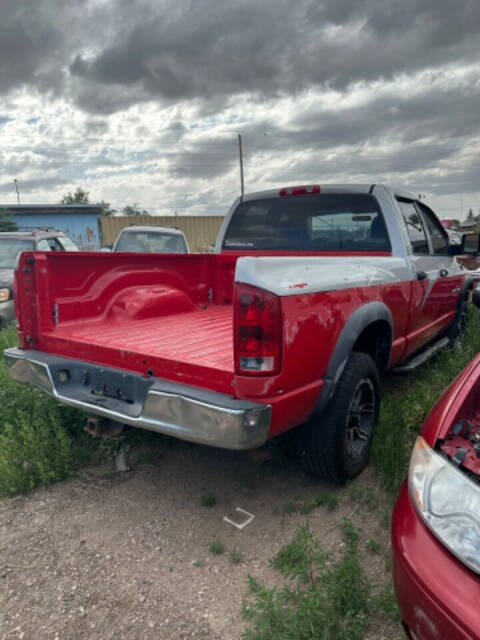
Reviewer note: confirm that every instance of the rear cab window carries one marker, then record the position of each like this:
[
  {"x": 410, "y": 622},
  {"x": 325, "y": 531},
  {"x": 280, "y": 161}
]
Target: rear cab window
[{"x": 320, "y": 222}]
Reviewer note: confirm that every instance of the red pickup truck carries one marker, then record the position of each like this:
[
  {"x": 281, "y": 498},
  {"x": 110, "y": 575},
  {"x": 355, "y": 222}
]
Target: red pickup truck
[{"x": 312, "y": 294}]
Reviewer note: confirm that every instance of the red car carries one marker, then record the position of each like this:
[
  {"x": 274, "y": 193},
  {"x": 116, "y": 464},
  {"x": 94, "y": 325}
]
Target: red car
[{"x": 436, "y": 521}]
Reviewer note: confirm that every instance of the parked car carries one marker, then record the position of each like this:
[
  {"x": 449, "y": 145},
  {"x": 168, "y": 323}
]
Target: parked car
[
  {"x": 313, "y": 293},
  {"x": 151, "y": 240},
  {"x": 12, "y": 243},
  {"x": 436, "y": 521}
]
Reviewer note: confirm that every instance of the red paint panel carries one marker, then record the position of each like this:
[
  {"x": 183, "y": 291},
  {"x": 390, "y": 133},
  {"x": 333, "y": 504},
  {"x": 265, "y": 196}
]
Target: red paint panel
[
  {"x": 312, "y": 326},
  {"x": 437, "y": 595}
]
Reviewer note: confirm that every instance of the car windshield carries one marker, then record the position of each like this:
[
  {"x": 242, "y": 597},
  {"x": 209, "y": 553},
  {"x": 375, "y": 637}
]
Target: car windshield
[
  {"x": 150, "y": 242},
  {"x": 10, "y": 248},
  {"x": 324, "y": 222}
]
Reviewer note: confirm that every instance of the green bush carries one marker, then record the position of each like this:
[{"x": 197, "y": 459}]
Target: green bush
[{"x": 40, "y": 441}]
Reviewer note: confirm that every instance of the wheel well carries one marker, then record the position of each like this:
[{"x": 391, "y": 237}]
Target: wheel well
[{"x": 376, "y": 341}]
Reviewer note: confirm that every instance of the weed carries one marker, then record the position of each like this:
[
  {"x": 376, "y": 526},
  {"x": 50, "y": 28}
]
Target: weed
[
  {"x": 373, "y": 546},
  {"x": 236, "y": 556},
  {"x": 386, "y": 520},
  {"x": 40, "y": 441},
  {"x": 298, "y": 558},
  {"x": 387, "y": 561},
  {"x": 327, "y": 500},
  {"x": 365, "y": 496},
  {"x": 217, "y": 548},
  {"x": 208, "y": 500},
  {"x": 386, "y": 603},
  {"x": 320, "y": 600},
  {"x": 291, "y": 508}
]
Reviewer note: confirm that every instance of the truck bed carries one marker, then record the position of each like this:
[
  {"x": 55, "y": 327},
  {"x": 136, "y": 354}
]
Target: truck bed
[
  {"x": 177, "y": 347},
  {"x": 184, "y": 337},
  {"x": 166, "y": 316}
]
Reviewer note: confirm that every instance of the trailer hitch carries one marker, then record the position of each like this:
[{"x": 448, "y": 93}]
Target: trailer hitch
[{"x": 97, "y": 426}]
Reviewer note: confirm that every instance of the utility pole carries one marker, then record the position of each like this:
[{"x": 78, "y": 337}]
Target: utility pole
[
  {"x": 18, "y": 192},
  {"x": 240, "y": 157}
]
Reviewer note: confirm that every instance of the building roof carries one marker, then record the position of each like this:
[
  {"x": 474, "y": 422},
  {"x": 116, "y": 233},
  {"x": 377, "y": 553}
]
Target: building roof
[{"x": 39, "y": 209}]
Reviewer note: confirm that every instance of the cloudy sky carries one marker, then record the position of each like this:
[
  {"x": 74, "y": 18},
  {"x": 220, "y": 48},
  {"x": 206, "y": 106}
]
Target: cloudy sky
[{"x": 142, "y": 100}]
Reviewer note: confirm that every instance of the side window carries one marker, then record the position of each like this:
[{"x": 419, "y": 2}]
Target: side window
[
  {"x": 54, "y": 244},
  {"x": 416, "y": 232},
  {"x": 437, "y": 235},
  {"x": 43, "y": 245}
]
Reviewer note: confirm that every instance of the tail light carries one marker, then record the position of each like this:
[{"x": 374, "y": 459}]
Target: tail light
[
  {"x": 304, "y": 190},
  {"x": 258, "y": 331}
]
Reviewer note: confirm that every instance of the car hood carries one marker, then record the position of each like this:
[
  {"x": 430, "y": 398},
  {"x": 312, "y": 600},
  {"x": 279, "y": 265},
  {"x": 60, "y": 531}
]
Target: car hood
[{"x": 6, "y": 277}]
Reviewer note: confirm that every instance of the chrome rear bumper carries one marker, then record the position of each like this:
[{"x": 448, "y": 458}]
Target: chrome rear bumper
[{"x": 185, "y": 412}]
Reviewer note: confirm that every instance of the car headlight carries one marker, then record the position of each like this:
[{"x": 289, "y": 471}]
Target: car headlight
[
  {"x": 448, "y": 502},
  {"x": 4, "y": 295}
]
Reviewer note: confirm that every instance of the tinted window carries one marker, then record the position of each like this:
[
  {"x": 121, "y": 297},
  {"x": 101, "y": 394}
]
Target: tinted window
[
  {"x": 416, "y": 232},
  {"x": 10, "y": 248},
  {"x": 150, "y": 242},
  {"x": 437, "y": 235},
  {"x": 323, "y": 222}
]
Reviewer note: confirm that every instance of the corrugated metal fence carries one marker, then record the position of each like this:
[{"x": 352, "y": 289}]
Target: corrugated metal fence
[{"x": 200, "y": 231}]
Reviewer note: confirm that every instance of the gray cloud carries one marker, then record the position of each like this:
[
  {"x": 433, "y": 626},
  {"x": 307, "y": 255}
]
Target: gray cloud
[
  {"x": 206, "y": 50},
  {"x": 200, "y": 60}
]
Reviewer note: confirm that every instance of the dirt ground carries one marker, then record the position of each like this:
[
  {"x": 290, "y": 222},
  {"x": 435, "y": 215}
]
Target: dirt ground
[{"x": 116, "y": 556}]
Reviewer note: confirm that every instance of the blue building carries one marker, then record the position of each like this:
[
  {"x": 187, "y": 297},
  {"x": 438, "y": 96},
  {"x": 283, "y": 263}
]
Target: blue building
[{"x": 81, "y": 222}]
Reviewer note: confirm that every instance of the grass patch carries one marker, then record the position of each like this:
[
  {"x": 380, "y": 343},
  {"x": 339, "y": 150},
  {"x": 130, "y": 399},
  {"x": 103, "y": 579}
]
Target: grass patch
[
  {"x": 407, "y": 400},
  {"x": 373, "y": 546},
  {"x": 236, "y": 556},
  {"x": 40, "y": 441},
  {"x": 321, "y": 598},
  {"x": 364, "y": 496},
  {"x": 217, "y": 548},
  {"x": 327, "y": 500},
  {"x": 208, "y": 500}
]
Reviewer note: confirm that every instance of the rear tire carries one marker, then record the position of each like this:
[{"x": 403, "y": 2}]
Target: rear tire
[{"x": 337, "y": 444}]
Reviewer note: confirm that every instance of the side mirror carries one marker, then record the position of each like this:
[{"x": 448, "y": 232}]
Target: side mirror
[{"x": 471, "y": 243}]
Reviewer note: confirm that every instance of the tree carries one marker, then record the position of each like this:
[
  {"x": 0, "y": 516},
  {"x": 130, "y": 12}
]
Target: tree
[
  {"x": 107, "y": 209},
  {"x": 470, "y": 215},
  {"x": 133, "y": 210},
  {"x": 79, "y": 197},
  {"x": 6, "y": 223}
]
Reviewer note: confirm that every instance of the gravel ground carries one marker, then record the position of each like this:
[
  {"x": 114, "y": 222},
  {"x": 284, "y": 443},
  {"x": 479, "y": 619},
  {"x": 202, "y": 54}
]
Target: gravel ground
[{"x": 116, "y": 556}]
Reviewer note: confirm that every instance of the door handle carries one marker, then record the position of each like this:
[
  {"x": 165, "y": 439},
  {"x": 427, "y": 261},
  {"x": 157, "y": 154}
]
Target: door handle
[
  {"x": 443, "y": 273},
  {"x": 421, "y": 275}
]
